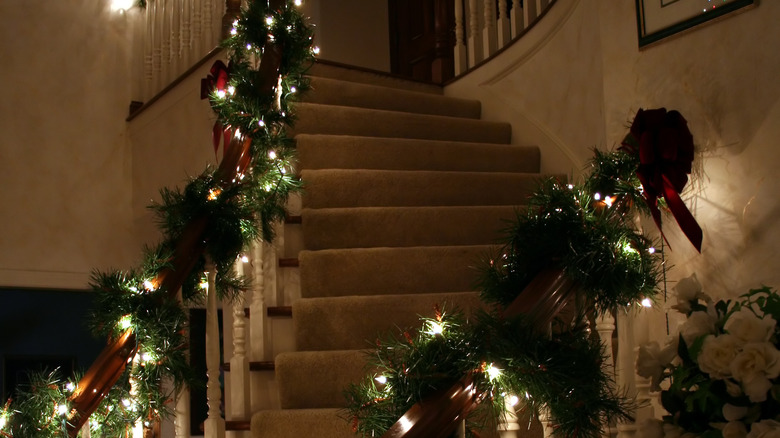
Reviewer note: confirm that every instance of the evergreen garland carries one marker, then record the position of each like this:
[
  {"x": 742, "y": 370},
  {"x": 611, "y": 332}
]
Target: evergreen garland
[{"x": 235, "y": 212}]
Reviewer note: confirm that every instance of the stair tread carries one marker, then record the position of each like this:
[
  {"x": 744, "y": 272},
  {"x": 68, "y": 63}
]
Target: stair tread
[
  {"x": 331, "y": 69},
  {"x": 333, "y": 119},
  {"x": 345, "y": 93},
  {"x": 297, "y": 423},
  {"x": 323, "y": 151}
]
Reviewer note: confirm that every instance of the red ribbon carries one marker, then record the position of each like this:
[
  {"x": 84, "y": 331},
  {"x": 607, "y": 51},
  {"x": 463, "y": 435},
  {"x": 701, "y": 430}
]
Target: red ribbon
[
  {"x": 217, "y": 79},
  {"x": 665, "y": 148}
]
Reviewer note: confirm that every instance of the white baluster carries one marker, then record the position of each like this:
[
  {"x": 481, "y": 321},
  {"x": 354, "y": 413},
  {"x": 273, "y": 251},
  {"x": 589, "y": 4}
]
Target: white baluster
[
  {"x": 197, "y": 28},
  {"x": 148, "y": 49},
  {"x": 605, "y": 326},
  {"x": 214, "y": 426},
  {"x": 546, "y": 420},
  {"x": 157, "y": 37},
  {"x": 625, "y": 363},
  {"x": 85, "y": 431},
  {"x": 257, "y": 311},
  {"x": 164, "y": 9},
  {"x": 489, "y": 34},
  {"x": 504, "y": 29},
  {"x": 181, "y": 422},
  {"x": 185, "y": 8},
  {"x": 511, "y": 425},
  {"x": 475, "y": 34},
  {"x": 239, "y": 364},
  {"x": 530, "y": 12},
  {"x": 207, "y": 24},
  {"x": 541, "y": 5},
  {"x": 175, "y": 26},
  {"x": 517, "y": 18},
  {"x": 461, "y": 57}
]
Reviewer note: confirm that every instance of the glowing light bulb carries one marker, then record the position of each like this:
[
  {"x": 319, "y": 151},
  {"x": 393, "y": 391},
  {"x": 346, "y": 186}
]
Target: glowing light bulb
[
  {"x": 62, "y": 409},
  {"x": 233, "y": 31},
  {"x": 245, "y": 259},
  {"x": 3, "y": 421},
  {"x": 597, "y": 196},
  {"x": 646, "y": 302},
  {"x": 70, "y": 386},
  {"x": 609, "y": 200},
  {"x": 492, "y": 372},
  {"x": 213, "y": 194},
  {"x": 284, "y": 171},
  {"x": 148, "y": 285},
  {"x": 147, "y": 357},
  {"x": 204, "y": 284},
  {"x": 121, "y": 5},
  {"x": 249, "y": 47},
  {"x": 125, "y": 322},
  {"x": 126, "y": 403},
  {"x": 261, "y": 123},
  {"x": 231, "y": 90},
  {"x": 436, "y": 328},
  {"x": 651, "y": 250},
  {"x": 269, "y": 20},
  {"x": 316, "y": 50},
  {"x": 513, "y": 400},
  {"x": 381, "y": 379},
  {"x": 570, "y": 186},
  {"x": 293, "y": 90},
  {"x": 272, "y": 155},
  {"x": 298, "y": 2},
  {"x": 221, "y": 94}
]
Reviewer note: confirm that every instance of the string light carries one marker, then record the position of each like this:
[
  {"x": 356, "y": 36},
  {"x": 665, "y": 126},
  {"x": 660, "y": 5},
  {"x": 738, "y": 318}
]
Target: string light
[
  {"x": 149, "y": 285},
  {"x": 651, "y": 250},
  {"x": 316, "y": 50},
  {"x": 597, "y": 196},
  {"x": 70, "y": 386},
  {"x": 213, "y": 194},
  {"x": 298, "y": 2},
  {"x": 231, "y": 90},
  {"x": 646, "y": 302},
  {"x": 513, "y": 400},
  {"x": 221, "y": 94},
  {"x": 269, "y": 20},
  {"x": 3, "y": 420},
  {"x": 492, "y": 372},
  {"x": 272, "y": 155},
  {"x": 381, "y": 379},
  {"x": 62, "y": 409},
  {"x": 245, "y": 259},
  {"x": 125, "y": 322},
  {"x": 436, "y": 328},
  {"x": 609, "y": 200}
]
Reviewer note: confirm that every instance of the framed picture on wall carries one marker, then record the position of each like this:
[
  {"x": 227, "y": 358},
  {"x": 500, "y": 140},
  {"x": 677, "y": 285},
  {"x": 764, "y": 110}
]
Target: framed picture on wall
[{"x": 657, "y": 19}]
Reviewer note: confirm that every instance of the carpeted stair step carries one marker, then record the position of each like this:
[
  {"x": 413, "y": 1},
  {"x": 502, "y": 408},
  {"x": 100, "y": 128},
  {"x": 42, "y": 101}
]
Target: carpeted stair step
[
  {"x": 389, "y": 271},
  {"x": 364, "y": 227},
  {"x": 354, "y": 322},
  {"x": 343, "y": 120},
  {"x": 318, "y": 151},
  {"x": 333, "y": 70},
  {"x": 336, "y": 92},
  {"x": 331, "y": 188},
  {"x": 301, "y": 423},
  {"x": 317, "y": 379}
]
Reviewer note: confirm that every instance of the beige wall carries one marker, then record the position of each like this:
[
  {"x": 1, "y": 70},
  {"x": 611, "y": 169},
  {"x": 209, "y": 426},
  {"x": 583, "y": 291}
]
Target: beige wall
[
  {"x": 64, "y": 157},
  {"x": 577, "y": 80},
  {"x": 352, "y": 32}
]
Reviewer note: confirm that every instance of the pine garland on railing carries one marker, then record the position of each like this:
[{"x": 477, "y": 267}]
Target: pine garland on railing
[{"x": 216, "y": 216}]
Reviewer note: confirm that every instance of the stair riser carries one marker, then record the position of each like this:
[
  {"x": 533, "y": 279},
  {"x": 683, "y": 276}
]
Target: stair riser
[
  {"x": 400, "y": 227},
  {"x": 341, "y": 120},
  {"x": 387, "y": 271},
  {"x": 357, "y": 188},
  {"x": 350, "y": 152},
  {"x": 353, "y": 322}
]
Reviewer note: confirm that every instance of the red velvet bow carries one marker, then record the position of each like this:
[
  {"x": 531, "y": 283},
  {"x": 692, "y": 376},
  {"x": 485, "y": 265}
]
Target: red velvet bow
[
  {"x": 665, "y": 148},
  {"x": 217, "y": 79}
]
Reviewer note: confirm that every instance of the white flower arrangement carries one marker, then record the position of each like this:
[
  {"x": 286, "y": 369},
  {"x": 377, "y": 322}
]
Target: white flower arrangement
[{"x": 721, "y": 373}]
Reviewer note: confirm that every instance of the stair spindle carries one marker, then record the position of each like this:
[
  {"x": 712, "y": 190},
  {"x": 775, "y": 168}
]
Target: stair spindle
[
  {"x": 489, "y": 33},
  {"x": 475, "y": 34},
  {"x": 461, "y": 57},
  {"x": 238, "y": 408},
  {"x": 503, "y": 27},
  {"x": 517, "y": 18},
  {"x": 214, "y": 426}
]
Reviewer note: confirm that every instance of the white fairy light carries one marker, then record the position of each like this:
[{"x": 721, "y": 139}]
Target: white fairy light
[
  {"x": 293, "y": 90},
  {"x": 62, "y": 409},
  {"x": 570, "y": 186},
  {"x": 381, "y": 379},
  {"x": 221, "y": 94},
  {"x": 646, "y": 302},
  {"x": 3, "y": 421},
  {"x": 70, "y": 386},
  {"x": 261, "y": 123},
  {"x": 651, "y": 250},
  {"x": 245, "y": 259},
  {"x": 234, "y": 31},
  {"x": 148, "y": 285},
  {"x": 204, "y": 284},
  {"x": 269, "y": 20},
  {"x": 609, "y": 200},
  {"x": 127, "y": 403},
  {"x": 436, "y": 328},
  {"x": 492, "y": 372},
  {"x": 316, "y": 50},
  {"x": 125, "y": 322},
  {"x": 597, "y": 196},
  {"x": 231, "y": 90},
  {"x": 121, "y": 6},
  {"x": 513, "y": 400},
  {"x": 272, "y": 155},
  {"x": 298, "y": 2},
  {"x": 249, "y": 47}
]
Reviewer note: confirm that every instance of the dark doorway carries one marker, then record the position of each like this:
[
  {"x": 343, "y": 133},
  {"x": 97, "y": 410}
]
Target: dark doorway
[{"x": 422, "y": 37}]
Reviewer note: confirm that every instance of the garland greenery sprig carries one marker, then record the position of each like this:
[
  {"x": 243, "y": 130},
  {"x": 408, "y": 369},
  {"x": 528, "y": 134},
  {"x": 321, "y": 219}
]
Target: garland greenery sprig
[{"x": 235, "y": 212}]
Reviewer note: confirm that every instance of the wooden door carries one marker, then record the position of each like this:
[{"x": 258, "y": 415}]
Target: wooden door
[{"x": 422, "y": 39}]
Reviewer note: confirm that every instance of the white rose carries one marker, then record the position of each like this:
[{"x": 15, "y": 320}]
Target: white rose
[
  {"x": 716, "y": 355},
  {"x": 651, "y": 428},
  {"x": 698, "y": 324},
  {"x": 765, "y": 429},
  {"x": 732, "y": 388},
  {"x": 748, "y": 327},
  {"x": 652, "y": 360},
  {"x": 734, "y": 429},
  {"x": 754, "y": 366},
  {"x": 734, "y": 413},
  {"x": 686, "y": 290}
]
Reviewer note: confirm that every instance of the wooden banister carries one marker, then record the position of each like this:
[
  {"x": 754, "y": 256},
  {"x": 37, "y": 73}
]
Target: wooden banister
[
  {"x": 111, "y": 363},
  {"x": 438, "y": 415}
]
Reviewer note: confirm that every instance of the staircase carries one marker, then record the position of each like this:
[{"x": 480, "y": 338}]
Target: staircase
[{"x": 405, "y": 190}]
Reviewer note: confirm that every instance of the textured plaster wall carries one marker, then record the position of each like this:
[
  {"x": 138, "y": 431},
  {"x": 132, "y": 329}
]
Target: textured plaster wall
[{"x": 64, "y": 161}]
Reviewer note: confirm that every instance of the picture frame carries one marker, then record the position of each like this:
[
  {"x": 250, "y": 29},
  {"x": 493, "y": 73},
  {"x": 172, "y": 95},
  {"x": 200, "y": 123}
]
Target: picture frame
[{"x": 658, "y": 19}]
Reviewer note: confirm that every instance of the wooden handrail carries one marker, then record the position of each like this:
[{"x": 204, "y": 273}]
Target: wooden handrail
[
  {"x": 110, "y": 364},
  {"x": 438, "y": 415}
]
